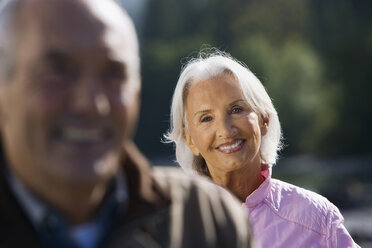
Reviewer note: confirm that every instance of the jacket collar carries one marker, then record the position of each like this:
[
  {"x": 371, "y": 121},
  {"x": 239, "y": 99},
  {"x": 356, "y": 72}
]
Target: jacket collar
[{"x": 145, "y": 194}]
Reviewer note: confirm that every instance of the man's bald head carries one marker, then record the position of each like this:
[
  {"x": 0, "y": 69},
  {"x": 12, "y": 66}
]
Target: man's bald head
[{"x": 18, "y": 18}]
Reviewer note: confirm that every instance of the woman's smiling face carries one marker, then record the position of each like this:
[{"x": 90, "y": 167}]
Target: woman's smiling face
[{"x": 222, "y": 127}]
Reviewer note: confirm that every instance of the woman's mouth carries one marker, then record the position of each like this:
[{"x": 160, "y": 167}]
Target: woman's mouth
[{"x": 231, "y": 147}]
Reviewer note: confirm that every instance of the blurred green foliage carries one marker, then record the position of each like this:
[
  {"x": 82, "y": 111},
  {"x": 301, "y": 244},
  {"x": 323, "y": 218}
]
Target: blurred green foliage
[{"x": 314, "y": 58}]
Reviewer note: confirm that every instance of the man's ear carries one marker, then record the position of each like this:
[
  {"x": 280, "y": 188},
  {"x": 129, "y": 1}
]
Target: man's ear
[
  {"x": 2, "y": 100},
  {"x": 133, "y": 114},
  {"x": 264, "y": 125},
  {"x": 190, "y": 142}
]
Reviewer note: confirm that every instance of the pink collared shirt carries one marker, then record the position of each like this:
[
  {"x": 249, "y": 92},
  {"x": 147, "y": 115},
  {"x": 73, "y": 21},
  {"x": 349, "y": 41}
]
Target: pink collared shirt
[{"x": 283, "y": 215}]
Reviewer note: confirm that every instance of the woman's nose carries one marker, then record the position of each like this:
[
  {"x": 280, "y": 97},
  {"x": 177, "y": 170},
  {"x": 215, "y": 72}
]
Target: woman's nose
[{"x": 226, "y": 128}]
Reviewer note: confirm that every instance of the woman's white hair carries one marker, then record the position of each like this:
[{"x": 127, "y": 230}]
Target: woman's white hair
[{"x": 206, "y": 66}]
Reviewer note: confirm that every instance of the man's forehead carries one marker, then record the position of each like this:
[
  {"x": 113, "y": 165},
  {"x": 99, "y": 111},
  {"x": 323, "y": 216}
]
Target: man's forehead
[
  {"x": 79, "y": 22},
  {"x": 66, "y": 12},
  {"x": 78, "y": 25}
]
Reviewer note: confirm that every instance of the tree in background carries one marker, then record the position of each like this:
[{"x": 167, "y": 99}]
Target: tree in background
[{"x": 312, "y": 56}]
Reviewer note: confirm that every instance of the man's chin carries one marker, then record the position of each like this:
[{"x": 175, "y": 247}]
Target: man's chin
[{"x": 85, "y": 170}]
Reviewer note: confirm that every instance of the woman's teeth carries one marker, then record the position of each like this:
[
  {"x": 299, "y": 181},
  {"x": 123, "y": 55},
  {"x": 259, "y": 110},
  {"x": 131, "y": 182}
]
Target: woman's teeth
[{"x": 232, "y": 146}]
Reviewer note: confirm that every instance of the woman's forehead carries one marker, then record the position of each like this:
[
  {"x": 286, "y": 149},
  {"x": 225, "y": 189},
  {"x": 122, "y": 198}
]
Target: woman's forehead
[{"x": 223, "y": 89}]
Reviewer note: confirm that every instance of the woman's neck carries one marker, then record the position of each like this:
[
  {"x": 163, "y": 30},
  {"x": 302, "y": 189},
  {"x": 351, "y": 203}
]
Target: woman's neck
[{"x": 240, "y": 182}]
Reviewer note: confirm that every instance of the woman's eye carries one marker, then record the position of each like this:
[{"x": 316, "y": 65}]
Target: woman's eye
[
  {"x": 206, "y": 119},
  {"x": 236, "y": 110}
]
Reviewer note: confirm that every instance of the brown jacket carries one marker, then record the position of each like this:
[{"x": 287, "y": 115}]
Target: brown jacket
[{"x": 166, "y": 209}]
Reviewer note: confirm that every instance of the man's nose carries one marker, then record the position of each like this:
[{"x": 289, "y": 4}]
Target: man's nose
[
  {"x": 226, "y": 127},
  {"x": 89, "y": 97}
]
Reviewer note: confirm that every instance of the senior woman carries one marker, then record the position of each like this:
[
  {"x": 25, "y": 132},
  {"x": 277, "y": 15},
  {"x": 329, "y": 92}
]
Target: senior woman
[{"x": 225, "y": 127}]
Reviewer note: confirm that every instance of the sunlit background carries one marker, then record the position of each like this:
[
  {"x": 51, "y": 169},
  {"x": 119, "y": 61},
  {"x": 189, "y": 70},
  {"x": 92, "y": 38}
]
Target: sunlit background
[{"x": 314, "y": 58}]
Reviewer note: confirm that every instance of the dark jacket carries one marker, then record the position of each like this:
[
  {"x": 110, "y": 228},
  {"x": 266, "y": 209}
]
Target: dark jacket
[{"x": 166, "y": 209}]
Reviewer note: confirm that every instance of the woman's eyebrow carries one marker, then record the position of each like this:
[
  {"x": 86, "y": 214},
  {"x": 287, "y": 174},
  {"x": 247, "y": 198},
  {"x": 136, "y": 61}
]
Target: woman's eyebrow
[
  {"x": 200, "y": 112},
  {"x": 237, "y": 101}
]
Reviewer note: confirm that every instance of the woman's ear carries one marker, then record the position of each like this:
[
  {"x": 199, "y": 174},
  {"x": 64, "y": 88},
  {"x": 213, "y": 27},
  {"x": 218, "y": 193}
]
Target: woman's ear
[
  {"x": 190, "y": 142},
  {"x": 264, "y": 125}
]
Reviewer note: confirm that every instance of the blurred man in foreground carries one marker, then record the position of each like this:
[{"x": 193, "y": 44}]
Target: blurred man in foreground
[{"x": 70, "y": 174}]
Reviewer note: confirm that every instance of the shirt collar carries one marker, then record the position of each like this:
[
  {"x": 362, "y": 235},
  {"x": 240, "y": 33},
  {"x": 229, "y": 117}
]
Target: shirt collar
[
  {"x": 261, "y": 192},
  {"x": 33, "y": 207},
  {"x": 36, "y": 209},
  {"x": 40, "y": 214}
]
